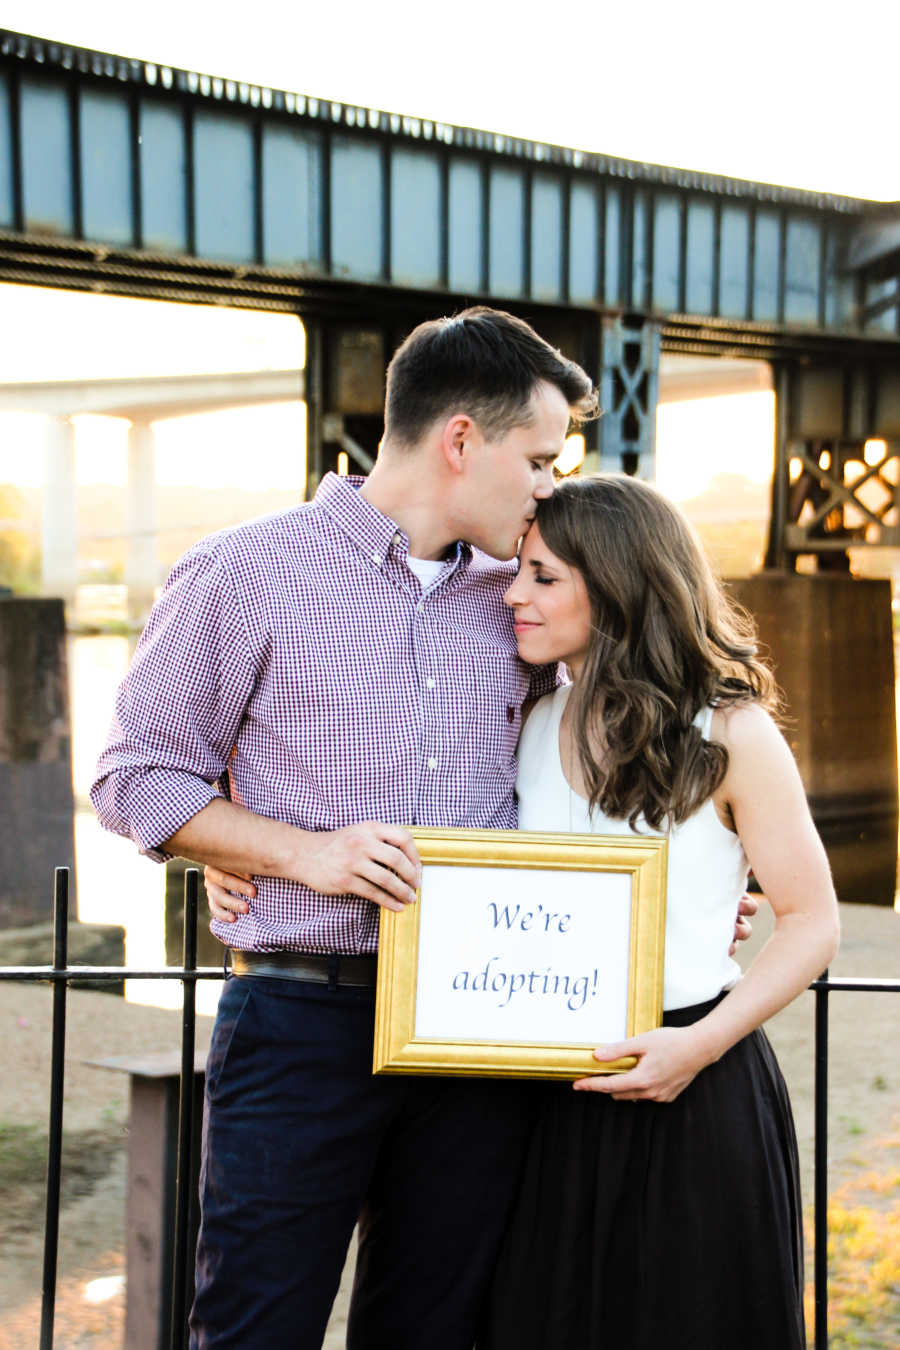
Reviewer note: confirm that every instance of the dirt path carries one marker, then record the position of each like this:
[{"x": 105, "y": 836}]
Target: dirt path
[{"x": 863, "y": 1139}]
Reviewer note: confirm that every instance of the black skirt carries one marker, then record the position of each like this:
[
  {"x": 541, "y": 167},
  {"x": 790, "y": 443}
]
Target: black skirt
[{"x": 642, "y": 1225}]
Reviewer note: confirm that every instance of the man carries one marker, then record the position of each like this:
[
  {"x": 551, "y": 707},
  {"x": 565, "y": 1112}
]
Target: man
[{"x": 351, "y": 668}]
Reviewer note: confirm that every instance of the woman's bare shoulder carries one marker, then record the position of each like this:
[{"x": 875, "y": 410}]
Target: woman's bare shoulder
[
  {"x": 758, "y": 753},
  {"x": 743, "y": 726}
]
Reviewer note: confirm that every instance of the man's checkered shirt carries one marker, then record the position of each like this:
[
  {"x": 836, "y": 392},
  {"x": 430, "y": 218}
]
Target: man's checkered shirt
[{"x": 298, "y": 658}]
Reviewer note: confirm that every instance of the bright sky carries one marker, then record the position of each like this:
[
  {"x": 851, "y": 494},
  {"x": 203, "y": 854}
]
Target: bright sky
[{"x": 801, "y": 92}]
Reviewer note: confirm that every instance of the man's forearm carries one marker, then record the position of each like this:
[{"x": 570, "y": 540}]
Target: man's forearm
[
  {"x": 229, "y": 836},
  {"x": 375, "y": 860}
]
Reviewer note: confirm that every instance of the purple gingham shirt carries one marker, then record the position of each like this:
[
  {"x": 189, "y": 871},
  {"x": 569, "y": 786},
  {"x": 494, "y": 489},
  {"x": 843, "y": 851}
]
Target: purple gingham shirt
[{"x": 298, "y": 657}]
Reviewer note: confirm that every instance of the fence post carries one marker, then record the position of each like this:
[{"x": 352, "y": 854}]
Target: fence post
[
  {"x": 820, "y": 1202},
  {"x": 185, "y": 1111},
  {"x": 57, "y": 1072}
]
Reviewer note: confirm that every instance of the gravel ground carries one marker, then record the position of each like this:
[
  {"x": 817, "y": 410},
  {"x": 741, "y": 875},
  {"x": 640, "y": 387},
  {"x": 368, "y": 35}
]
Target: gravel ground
[{"x": 864, "y": 1110}]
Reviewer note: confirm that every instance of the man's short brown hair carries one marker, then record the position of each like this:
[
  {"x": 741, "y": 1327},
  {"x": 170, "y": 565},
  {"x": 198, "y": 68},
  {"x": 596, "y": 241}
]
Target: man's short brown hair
[{"x": 482, "y": 362}]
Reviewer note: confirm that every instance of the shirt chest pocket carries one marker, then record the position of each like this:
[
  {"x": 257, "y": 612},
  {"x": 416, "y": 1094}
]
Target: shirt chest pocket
[{"x": 497, "y": 686}]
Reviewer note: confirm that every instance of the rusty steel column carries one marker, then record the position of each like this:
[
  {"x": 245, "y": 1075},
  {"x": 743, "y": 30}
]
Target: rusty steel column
[
  {"x": 315, "y": 404},
  {"x": 776, "y": 555}
]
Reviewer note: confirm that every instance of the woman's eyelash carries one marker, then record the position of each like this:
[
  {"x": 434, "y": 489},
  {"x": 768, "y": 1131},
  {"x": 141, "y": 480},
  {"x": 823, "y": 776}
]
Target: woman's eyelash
[{"x": 544, "y": 581}]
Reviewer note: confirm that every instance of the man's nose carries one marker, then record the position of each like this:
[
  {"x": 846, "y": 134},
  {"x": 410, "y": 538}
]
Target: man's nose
[
  {"x": 545, "y": 484},
  {"x": 511, "y": 596}
]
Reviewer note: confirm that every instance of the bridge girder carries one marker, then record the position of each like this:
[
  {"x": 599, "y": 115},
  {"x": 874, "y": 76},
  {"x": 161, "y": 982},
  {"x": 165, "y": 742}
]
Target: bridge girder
[{"x": 141, "y": 179}]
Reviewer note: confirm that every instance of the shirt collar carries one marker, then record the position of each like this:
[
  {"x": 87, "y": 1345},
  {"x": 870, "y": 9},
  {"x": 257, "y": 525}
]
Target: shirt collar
[{"x": 373, "y": 532}]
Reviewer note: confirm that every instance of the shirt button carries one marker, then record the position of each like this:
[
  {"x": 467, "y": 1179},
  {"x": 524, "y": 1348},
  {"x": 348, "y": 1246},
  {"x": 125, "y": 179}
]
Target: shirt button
[
  {"x": 429, "y": 683},
  {"x": 396, "y": 540},
  {"x": 420, "y": 607},
  {"x": 376, "y": 558},
  {"x": 432, "y": 763}
]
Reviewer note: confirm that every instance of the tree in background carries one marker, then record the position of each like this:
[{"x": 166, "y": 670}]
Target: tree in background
[{"x": 20, "y": 556}]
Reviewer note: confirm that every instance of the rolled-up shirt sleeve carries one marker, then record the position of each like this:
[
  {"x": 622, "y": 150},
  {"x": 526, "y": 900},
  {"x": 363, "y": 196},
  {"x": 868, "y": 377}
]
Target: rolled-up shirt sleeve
[{"x": 178, "y": 709}]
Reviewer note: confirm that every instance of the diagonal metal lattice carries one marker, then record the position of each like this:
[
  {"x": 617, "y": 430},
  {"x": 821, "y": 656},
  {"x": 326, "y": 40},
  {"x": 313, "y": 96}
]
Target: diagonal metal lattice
[{"x": 827, "y": 509}]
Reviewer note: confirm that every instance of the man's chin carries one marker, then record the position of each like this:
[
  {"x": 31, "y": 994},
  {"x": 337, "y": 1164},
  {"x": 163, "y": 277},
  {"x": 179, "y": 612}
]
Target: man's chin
[{"x": 501, "y": 549}]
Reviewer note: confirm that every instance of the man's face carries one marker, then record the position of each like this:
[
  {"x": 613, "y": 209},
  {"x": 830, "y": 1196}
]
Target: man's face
[{"x": 505, "y": 479}]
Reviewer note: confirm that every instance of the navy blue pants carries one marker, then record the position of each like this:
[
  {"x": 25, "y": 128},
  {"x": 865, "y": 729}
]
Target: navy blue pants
[{"x": 300, "y": 1141}]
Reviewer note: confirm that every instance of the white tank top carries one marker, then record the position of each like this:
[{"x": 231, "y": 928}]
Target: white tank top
[{"x": 707, "y": 865}]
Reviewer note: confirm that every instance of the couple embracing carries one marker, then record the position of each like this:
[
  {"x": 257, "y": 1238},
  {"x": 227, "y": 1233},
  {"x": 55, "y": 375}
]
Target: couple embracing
[{"x": 308, "y": 686}]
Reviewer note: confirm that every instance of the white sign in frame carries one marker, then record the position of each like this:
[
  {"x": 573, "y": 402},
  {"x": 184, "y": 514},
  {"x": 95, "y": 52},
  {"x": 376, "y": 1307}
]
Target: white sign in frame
[{"x": 522, "y": 952}]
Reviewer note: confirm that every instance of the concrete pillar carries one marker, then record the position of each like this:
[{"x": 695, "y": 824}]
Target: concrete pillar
[
  {"x": 141, "y": 560},
  {"x": 831, "y": 641},
  {"x": 59, "y": 557},
  {"x": 37, "y": 807}
]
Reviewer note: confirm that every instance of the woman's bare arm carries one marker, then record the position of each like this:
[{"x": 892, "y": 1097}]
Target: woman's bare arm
[{"x": 763, "y": 790}]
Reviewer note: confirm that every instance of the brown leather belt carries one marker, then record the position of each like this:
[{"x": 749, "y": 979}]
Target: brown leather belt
[{"x": 359, "y": 971}]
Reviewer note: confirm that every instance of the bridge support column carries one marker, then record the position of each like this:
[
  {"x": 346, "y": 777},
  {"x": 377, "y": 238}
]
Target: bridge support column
[
  {"x": 625, "y": 436},
  {"x": 832, "y": 488},
  {"x": 820, "y": 632},
  {"x": 345, "y": 365},
  {"x": 35, "y": 759},
  {"x": 141, "y": 559},
  {"x": 831, "y": 635},
  {"x": 315, "y": 405},
  {"x": 59, "y": 527}
]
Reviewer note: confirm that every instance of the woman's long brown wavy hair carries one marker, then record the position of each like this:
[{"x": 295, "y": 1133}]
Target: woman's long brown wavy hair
[{"x": 666, "y": 642}]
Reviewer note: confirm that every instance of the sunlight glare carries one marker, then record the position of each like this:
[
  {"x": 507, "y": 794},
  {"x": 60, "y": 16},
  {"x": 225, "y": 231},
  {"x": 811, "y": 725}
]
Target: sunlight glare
[
  {"x": 572, "y": 454},
  {"x": 104, "y": 1288},
  {"x": 699, "y": 439}
]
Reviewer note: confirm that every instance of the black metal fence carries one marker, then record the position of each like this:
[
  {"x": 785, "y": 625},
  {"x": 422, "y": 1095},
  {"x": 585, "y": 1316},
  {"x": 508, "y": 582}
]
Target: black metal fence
[{"x": 60, "y": 974}]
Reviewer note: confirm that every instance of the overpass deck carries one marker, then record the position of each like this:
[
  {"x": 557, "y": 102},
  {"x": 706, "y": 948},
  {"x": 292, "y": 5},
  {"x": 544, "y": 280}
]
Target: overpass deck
[{"x": 124, "y": 175}]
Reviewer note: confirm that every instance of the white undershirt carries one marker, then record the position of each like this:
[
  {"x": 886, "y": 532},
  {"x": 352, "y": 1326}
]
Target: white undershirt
[{"x": 426, "y": 569}]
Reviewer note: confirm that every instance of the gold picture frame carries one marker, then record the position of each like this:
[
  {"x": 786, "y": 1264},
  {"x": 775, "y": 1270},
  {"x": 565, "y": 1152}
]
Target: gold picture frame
[{"x": 430, "y": 1016}]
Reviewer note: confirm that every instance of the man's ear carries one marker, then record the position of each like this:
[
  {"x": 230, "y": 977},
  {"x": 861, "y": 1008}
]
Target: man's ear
[{"x": 458, "y": 440}]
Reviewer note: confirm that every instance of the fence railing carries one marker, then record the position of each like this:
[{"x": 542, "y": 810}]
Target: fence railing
[{"x": 60, "y": 974}]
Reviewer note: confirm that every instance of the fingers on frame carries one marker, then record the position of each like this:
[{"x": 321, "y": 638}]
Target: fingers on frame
[
  {"x": 402, "y": 840},
  {"x": 383, "y": 879},
  {"x": 396, "y": 861},
  {"x": 378, "y": 896}
]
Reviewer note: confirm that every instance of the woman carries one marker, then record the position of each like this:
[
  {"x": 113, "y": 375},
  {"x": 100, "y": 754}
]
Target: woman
[{"x": 660, "y": 1207}]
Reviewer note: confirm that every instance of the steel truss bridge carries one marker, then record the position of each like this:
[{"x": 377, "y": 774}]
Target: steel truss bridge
[{"x": 123, "y": 176}]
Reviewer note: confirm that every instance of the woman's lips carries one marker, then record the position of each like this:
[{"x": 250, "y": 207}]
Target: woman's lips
[{"x": 522, "y": 626}]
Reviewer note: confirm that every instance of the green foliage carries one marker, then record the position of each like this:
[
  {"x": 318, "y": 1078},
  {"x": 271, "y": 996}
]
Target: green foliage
[
  {"x": 864, "y": 1259},
  {"x": 20, "y": 558},
  {"x": 23, "y": 1156}
]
